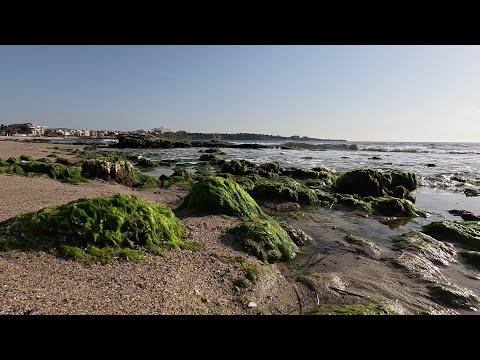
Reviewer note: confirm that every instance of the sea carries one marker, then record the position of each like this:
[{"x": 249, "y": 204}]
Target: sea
[{"x": 441, "y": 167}]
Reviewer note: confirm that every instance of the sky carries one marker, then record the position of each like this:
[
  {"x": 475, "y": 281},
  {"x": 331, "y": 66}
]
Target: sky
[{"x": 357, "y": 93}]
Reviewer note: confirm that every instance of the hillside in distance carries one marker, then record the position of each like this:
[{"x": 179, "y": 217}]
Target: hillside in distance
[{"x": 184, "y": 135}]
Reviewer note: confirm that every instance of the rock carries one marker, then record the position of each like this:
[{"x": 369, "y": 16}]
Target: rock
[
  {"x": 282, "y": 207},
  {"x": 118, "y": 171},
  {"x": 466, "y": 233},
  {"x": 451, "y": 295},
  {"x": 251, "y": 304},
  {"x": 375, "y": 158},
  {"x": 369, "y": 182},
  {"x": 472, "y": 257},
  {"x": 470, "y": 216},
  {"x": 471, "y": 192},
  {"x": 390, "y": 206},
  {"x": 364, "y": 246},
  {"x": 430, "y": 165},
  {"x": 298, "y": 236},
  {"x": 147, "y": 163},
  {"x": 425, "y": 245}
]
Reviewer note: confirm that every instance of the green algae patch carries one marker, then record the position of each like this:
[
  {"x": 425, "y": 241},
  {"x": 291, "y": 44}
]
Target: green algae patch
[
  {"x": 64, "y": 161},
  {"x": 265, "y": 239},
  {"x": 97, "y": 228},
  {"x": 472, "y": 257},
  {"x": 363, "y": 308},
  {"x": 466, "y": 233},
  {"x": 452, "y": 295},
  {"x": 66, "y": 173},
  {"x": 216, "y": 195}
]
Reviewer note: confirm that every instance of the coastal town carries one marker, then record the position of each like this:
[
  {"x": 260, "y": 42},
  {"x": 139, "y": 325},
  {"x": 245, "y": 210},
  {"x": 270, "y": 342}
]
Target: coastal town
[{"x": 33, "y": 130}]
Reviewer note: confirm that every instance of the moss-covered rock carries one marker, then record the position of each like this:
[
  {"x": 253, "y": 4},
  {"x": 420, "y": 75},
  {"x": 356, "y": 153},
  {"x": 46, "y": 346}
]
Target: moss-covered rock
[
  {"x": 273, "y": 191},
  {"x": 213, "y": 151},
  {"x": 86, "y": 228},
  {"x": 265, "y": 239},
  {"x": 298, "y": 236},
  {"x": 369, "y": 182},
  {"x": 363, "y": 308},
  {"x": 118, "y": 171},
  {"x": 64, "y": 161},
  {"x": 55, "y": 171},
  {"x": 216, "y": 195},
  {"x": 466, "y": 233},
  {"x": 296, "y": 173},
  {"x": 451, "y": 295},
  {"x": 147, "y": 163},
  {"x": 210, "y": 157},
  {"x": 26, "y": 158},
  {"x": 352, "y": 202},
  {"x": 425, "y": 245},
  {"x": 390, "y": 206},
  {"x": 238, "y": 167}
]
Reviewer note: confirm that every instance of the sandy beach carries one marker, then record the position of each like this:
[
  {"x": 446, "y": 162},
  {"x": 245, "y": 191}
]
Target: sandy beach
[{"x": 182, "y": 282}]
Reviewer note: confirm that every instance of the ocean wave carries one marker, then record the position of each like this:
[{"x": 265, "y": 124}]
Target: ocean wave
[{"x": 330, "y": 146}]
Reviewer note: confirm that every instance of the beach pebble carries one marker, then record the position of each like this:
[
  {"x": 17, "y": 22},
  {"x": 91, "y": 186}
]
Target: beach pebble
[{"x": 252, "y": 304}]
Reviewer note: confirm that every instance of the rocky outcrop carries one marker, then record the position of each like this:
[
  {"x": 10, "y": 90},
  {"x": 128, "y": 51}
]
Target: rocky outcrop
[{"x": 118, "y": 171}]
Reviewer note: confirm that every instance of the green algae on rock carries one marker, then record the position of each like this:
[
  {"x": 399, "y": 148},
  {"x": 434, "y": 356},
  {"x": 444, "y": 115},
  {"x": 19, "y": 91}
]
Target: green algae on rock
[
  {"x": 55, "y": 171},
  {"x": 390, "y": 206},
  {"x": 369, "y": 182},
  {"x": 298, "y": 236},
  {"x": 26, "y": 158},
  {"x": 95, "y": 227},
  {"x": 147, "y": 163},
  {"x": 466, "y": 233},
  {"x": 265, "y": 239},
  {"x": 216, "y": 195}
]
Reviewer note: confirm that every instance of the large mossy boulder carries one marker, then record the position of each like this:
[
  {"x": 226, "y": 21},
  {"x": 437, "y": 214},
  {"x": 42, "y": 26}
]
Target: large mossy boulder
[
  {"x": 369, "y": 182},
  {"x": 118, "y": 171},
  {"x": 216, "y": 195},
  {"x": 466, "y": 233},
  {"x": 265, "y": 239},
  {"x": 86, "y": 228}
]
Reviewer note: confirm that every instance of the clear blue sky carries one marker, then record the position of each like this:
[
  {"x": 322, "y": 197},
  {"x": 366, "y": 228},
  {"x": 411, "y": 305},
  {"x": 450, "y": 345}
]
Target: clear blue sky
[{"x": 391, "y": 93}]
